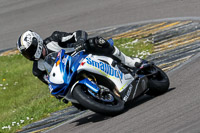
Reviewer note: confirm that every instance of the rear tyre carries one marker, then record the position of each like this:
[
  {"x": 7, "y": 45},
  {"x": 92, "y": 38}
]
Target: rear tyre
[
  {"x": 88, "y": 101},
  {"x": 159, "y": 83}
]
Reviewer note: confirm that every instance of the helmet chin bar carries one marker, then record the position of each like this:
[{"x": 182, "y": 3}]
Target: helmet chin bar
[{"x": 38, "y": 52}]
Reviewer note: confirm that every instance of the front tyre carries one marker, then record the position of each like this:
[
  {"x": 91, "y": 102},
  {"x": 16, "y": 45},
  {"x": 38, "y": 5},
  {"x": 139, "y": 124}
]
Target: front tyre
[
  {"x": 87, "y": 100},
  {"x": 158, "y": 83}
]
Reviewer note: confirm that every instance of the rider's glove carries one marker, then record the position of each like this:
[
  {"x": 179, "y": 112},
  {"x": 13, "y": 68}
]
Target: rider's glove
[
  {"x": 100, "y": 42},
  {"x": 95, "y": 43}
]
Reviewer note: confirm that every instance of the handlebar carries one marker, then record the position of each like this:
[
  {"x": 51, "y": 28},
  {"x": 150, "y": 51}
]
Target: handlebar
[{"x": 77, "y": 49}]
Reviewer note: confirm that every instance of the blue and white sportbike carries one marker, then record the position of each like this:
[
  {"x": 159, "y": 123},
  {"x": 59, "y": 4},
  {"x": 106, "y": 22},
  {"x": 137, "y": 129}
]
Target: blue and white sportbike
[{"x": 100, "y": 83}]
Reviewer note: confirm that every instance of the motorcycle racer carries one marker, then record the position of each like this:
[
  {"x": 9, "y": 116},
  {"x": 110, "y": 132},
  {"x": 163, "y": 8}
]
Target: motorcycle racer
[{"x": 34, "y": 48}]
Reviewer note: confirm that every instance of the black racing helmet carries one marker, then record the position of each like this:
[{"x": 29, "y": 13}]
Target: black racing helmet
[{"x": 30, "y": 45}]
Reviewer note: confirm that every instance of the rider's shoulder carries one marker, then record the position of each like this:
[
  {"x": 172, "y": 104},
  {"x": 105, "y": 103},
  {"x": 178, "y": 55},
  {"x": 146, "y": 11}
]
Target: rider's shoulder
[{"x": 53, "y": 37}]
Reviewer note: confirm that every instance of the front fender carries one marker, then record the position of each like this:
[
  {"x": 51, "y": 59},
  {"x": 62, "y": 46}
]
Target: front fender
[{"x": 90, "y": 84}]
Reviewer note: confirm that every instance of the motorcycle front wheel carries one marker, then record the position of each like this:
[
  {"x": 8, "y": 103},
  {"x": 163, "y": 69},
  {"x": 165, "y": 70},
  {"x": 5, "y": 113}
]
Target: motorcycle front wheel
[{"x": 82, "y": 95}]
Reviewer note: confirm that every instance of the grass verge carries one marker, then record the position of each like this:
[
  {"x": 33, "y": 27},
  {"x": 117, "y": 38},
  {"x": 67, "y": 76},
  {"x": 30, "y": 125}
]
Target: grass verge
[
  {"x": 140, "y": 48},
  {"x": 25, "y": 99}
]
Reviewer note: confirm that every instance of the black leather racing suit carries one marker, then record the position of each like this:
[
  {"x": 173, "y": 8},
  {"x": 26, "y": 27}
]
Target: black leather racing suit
[{"x": 97, "y": 45}]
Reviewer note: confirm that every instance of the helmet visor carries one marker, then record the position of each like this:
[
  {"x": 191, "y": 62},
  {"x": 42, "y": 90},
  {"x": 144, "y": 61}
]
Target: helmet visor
[{"x": 30, "y": 52}]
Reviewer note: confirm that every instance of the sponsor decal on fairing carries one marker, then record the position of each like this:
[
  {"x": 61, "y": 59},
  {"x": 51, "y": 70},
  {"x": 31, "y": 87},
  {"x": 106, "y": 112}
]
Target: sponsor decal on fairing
[{"x": 105, "y": 68}]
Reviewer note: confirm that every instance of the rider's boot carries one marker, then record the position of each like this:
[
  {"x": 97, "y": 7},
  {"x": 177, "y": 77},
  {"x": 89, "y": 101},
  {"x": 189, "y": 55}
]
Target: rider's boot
[
  {"x": 126, "y": 60},
  {"x": 110, "y": 50}
]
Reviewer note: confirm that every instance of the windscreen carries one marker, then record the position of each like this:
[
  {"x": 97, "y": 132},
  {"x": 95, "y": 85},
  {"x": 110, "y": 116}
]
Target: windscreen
[{"x": 49, "y": 61}]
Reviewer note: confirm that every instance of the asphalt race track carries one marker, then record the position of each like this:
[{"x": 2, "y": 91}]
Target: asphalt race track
[
  {"x": 46, "y": 16},
  {"x": 174, "y": 112}
]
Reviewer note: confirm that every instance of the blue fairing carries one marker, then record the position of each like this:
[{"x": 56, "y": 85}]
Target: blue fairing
[
  {"x": 68, "y": 67},
  {"x": 90, "y": 85}
]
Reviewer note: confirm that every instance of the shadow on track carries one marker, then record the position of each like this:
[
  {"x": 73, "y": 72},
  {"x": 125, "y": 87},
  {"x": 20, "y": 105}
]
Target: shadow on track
[
  {"x": 95, "y": 117},
  {"x": 92, "y": 118},
  {"x": 141, "y": 100}
]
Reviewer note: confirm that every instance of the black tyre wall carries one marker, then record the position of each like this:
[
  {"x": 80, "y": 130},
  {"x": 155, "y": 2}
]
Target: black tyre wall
[{"x": 88, "y": 102}]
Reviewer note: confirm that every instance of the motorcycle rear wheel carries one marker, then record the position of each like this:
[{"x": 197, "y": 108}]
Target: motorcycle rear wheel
[
  {"x": 88, "y": 101},
  {"x": 159, "y": 83}
]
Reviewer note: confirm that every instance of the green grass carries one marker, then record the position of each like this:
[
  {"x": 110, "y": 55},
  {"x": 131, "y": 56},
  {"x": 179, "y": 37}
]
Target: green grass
[
  {"x": 25, "y": 99},
  {"x": 134, "y": 47}
]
